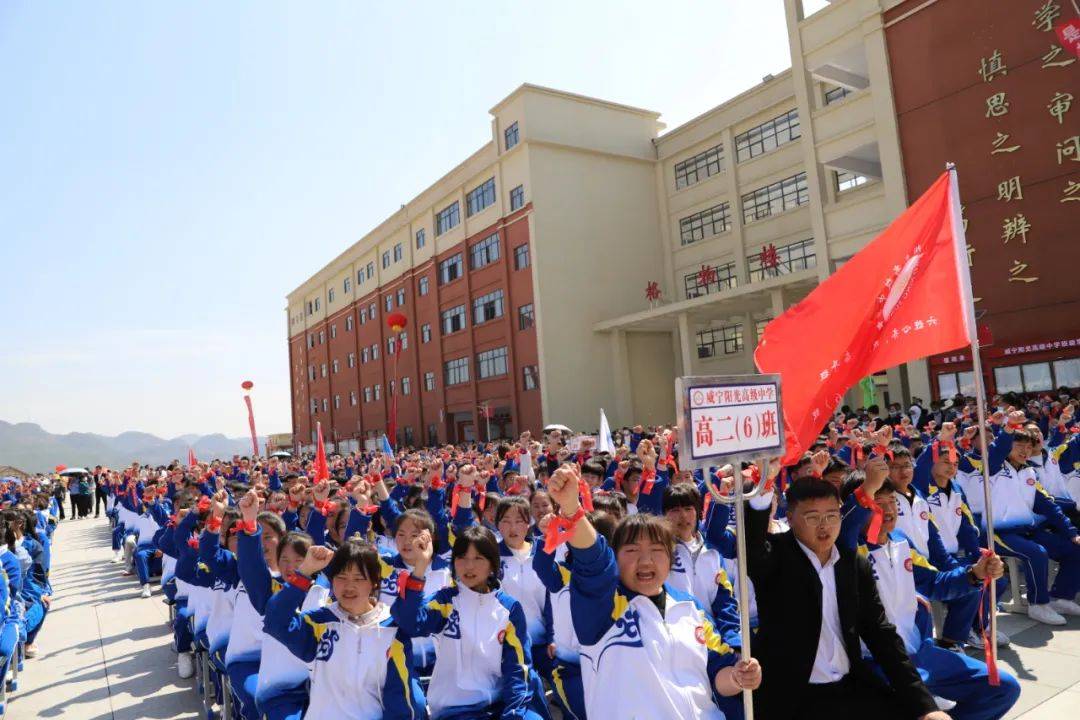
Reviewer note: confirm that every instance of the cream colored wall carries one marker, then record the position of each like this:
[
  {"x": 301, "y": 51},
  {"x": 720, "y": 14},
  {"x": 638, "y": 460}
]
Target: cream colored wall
[
  {"x": 555, "y": 119},
  {"x": 652, "y": 372},
  {"x": 595, "y": 247}
]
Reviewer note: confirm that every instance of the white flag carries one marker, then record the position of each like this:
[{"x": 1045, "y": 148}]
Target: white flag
[{"x": 606, "y": 444}]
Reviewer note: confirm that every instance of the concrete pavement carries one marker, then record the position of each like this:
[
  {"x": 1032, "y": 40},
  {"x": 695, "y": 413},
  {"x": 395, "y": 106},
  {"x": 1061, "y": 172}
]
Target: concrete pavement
[{"x": 104, "y": 652}]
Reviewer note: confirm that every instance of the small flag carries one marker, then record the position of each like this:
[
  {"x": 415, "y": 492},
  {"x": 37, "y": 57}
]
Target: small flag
[
  {"x": 191, "y": 460},
  {"x": 321, "y": 469},
  {"x": 386, "y": 447},
  {"x": 606, "y": 443}
]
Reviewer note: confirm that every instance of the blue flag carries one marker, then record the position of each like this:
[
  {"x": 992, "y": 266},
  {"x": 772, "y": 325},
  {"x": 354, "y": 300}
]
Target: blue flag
[{"x": 386, "y": 448}]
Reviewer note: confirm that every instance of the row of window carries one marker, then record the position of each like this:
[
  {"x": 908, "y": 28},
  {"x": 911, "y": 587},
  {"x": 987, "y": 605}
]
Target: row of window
[
  {"x": 758, "y": 140},
  {"x": 727, "y": 340},
  {"x": 1032, "y": 377},
  {"x": 769, "y": 262}
]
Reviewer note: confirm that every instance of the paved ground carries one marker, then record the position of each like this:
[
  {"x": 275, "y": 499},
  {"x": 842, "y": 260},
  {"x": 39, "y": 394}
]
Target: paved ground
[{"x": 104, "y": 653}]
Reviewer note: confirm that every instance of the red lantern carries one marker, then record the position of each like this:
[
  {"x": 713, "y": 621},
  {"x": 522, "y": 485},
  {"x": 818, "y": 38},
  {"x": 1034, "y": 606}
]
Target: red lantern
[
  {"x": 397, "y": 321},
  {"x": 247, "y": 384}
]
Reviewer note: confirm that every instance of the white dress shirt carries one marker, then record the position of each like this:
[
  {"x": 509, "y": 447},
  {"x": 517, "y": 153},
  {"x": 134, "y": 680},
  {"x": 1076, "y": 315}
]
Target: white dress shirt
[{"x": 831, "y": 661}]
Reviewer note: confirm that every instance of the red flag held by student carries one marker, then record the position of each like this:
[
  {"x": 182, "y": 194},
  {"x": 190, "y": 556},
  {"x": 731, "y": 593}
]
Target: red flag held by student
[
  {"x": 904, "y": 296},
  {"x": 191, "y": 460},
  {"x": 321, "y": 469}
]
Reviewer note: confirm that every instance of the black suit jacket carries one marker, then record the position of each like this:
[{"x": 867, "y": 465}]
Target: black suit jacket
[{"x": 789, "y": 612}]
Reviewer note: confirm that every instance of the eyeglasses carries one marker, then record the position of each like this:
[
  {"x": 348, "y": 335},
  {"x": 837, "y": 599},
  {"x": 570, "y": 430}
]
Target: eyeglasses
[{"x": 827, "y": 519}]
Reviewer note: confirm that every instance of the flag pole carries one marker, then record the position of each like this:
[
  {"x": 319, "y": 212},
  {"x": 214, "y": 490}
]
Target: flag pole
[{"x": 964, "y": 273}]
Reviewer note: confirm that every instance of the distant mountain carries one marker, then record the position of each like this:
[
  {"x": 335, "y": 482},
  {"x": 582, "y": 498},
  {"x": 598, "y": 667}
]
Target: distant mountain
[{"x": 30, "y": 447}]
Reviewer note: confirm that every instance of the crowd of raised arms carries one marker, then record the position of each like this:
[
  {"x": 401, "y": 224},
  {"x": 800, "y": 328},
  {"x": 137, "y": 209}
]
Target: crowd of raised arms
[{"x": 518, "y": 579}]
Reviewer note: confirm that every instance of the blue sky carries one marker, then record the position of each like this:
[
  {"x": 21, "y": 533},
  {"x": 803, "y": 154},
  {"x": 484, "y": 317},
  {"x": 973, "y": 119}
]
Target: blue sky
[{"x": 169, "y": 171}]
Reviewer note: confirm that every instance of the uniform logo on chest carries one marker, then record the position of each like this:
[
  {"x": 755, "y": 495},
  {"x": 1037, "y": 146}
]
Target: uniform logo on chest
[
  {"x": 453, "y": 626},
  {"x": 924, "y": 515},
  {"x": 699, "y": 634},
  {"x": 326, "y": 645},
  {"x": 1031, "y": 482},
  {"x": 908, "y": 565}
]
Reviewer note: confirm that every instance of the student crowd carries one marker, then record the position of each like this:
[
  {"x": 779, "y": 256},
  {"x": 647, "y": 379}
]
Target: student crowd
[
  {"x": 524, "y": 580},
  {"x": 27, "y": 520}
]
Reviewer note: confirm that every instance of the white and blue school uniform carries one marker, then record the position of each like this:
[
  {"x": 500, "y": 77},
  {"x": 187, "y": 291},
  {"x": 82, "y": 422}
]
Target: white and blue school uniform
[
  {"x": 565, "y": 674},
  {"x": 360, "y": 667},
  {"x": 635, "y": 661},
  {"x": 482, "y": 657}
]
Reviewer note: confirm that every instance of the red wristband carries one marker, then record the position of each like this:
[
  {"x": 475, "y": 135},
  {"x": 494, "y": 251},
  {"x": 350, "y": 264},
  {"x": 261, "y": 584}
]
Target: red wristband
[
  {"x": 249, "y": 526},
  {"x": 213, "y": 524},
  {"x": 301, "y": 582}
]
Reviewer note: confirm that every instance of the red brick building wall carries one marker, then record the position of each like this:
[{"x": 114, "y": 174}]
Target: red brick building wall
[
  {"x": 1026, "y": 283},
  {"x": 445, "y": 414}
]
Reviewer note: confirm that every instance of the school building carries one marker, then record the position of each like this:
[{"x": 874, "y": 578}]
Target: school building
[{"x": 586, "y": 255}]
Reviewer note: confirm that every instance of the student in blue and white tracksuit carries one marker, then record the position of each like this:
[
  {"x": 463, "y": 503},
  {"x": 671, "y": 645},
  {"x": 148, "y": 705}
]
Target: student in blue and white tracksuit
[
  {"x": 1029, "y": 525},
  {"x": 266, "y": 553},
  {"x": 647, "y": 650},
  {"x": 903, "y": 574},
  {"x": 482, "y": 655},
  {"x": 360, "y": 658}
]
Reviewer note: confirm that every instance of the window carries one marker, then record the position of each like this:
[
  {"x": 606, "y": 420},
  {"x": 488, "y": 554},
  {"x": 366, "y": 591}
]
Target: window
[
  {"x": 371, "y": 311},
  {"x": 370, "y": 270},
  {"x": 401, "y": 297},
  {"x": 388, "y": 301},
  {"x": 351, "y": 359},
  {"x": 510, "y": 135},
  {"x": 1008, "y": 379},
  {"x": 335, "y": 366},
  {"x": 719, "y": 341},
  {"x": 404, "y": 340},
  {"x": 768, "y": 136},
  {"x": 759, "y": 327},
  {"x": 311, "y": 372},
  {"x": 517, "y": 198},
  {"x": 706, "y": 223},
  {"x": 347, "y": 285},
  {"x": 422, "y": 286},
  {"x": 337, "y": 402},
  {"x": 348, "y": 323},
  {"x": 480, "y": 197},
  {"x": 406, "y": 386},
  {"x": 456, "y": 371},
  {"x": 378, "y": 392},
  {"x": 314, "y": 406},
  {"x": 847, "y": 181},
  {"x": 788, "y": 259},
  {"x": 360, "y": 277},
  {"x": 1066, "y": 373},
  {"x": 453, "y": 320},
  {"x": 488, "y": 307},
  {"x": 951, "y": 384},
  {"x": 322, "y": 337},
  {"x": 836, "y": 95},
  {"x": 352, "y": 397},
  {"x": 432, "y": 434},
  {"x": 363, "y": 316},
  {"x": 491, "y": 363},
  {"x": 775, "y": 198},
  {"x": 399, "y": 252},
  {"x": 525, "y": 317},
  {"x": 391, "y": 389},
  {"x": 429, "y": 381},
  {"x": 521, "y": 257},
  {"x": 725, "y": 280},
  {"x": 448, "y": 218},
  {"x": 421, "y": 238},
  {"x": 330, "y": 295},
  {"x": 365, "y": 356},
  {"x": 325, "y": 405},
  {"x": 450, "y": 269},
  {"x": 410, "y": 438},
  {"x": 309, "y": 307},
  {"x": 484, "y": 252},
  {"x": 367, "y": 394},
  {"x": 322, "y": 370},
  {"x": 333, "y": 331},
  {"x": 425, "y": 333},
  {"x": 375, "y": 351},
  {"x": 530, "y": 377},
  {"x": 310, "y": 341},
  {"x": 316, "y": 304},
  {"x": 699, "y": 167},
  {"x": 386, "y": 259}
]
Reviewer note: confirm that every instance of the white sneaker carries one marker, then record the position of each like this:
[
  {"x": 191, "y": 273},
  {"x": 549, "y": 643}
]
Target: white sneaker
[
  {"x": 1065, "y": 607},
  {"x": 30, "y": 651},
  {"x": 146, "y": 590},
  {"x": 185, "y": 665},
  {"x": 1045, "y": 614},
  {"x": 975, "y": 640},
  {"x": 118, "y": 557}
]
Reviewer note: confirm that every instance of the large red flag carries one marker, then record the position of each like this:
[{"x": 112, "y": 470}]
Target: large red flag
[
  {"x": 191, "y": 460},
  {"x": 322, "y": 470},
  {"x": 904, "y": 296}
]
